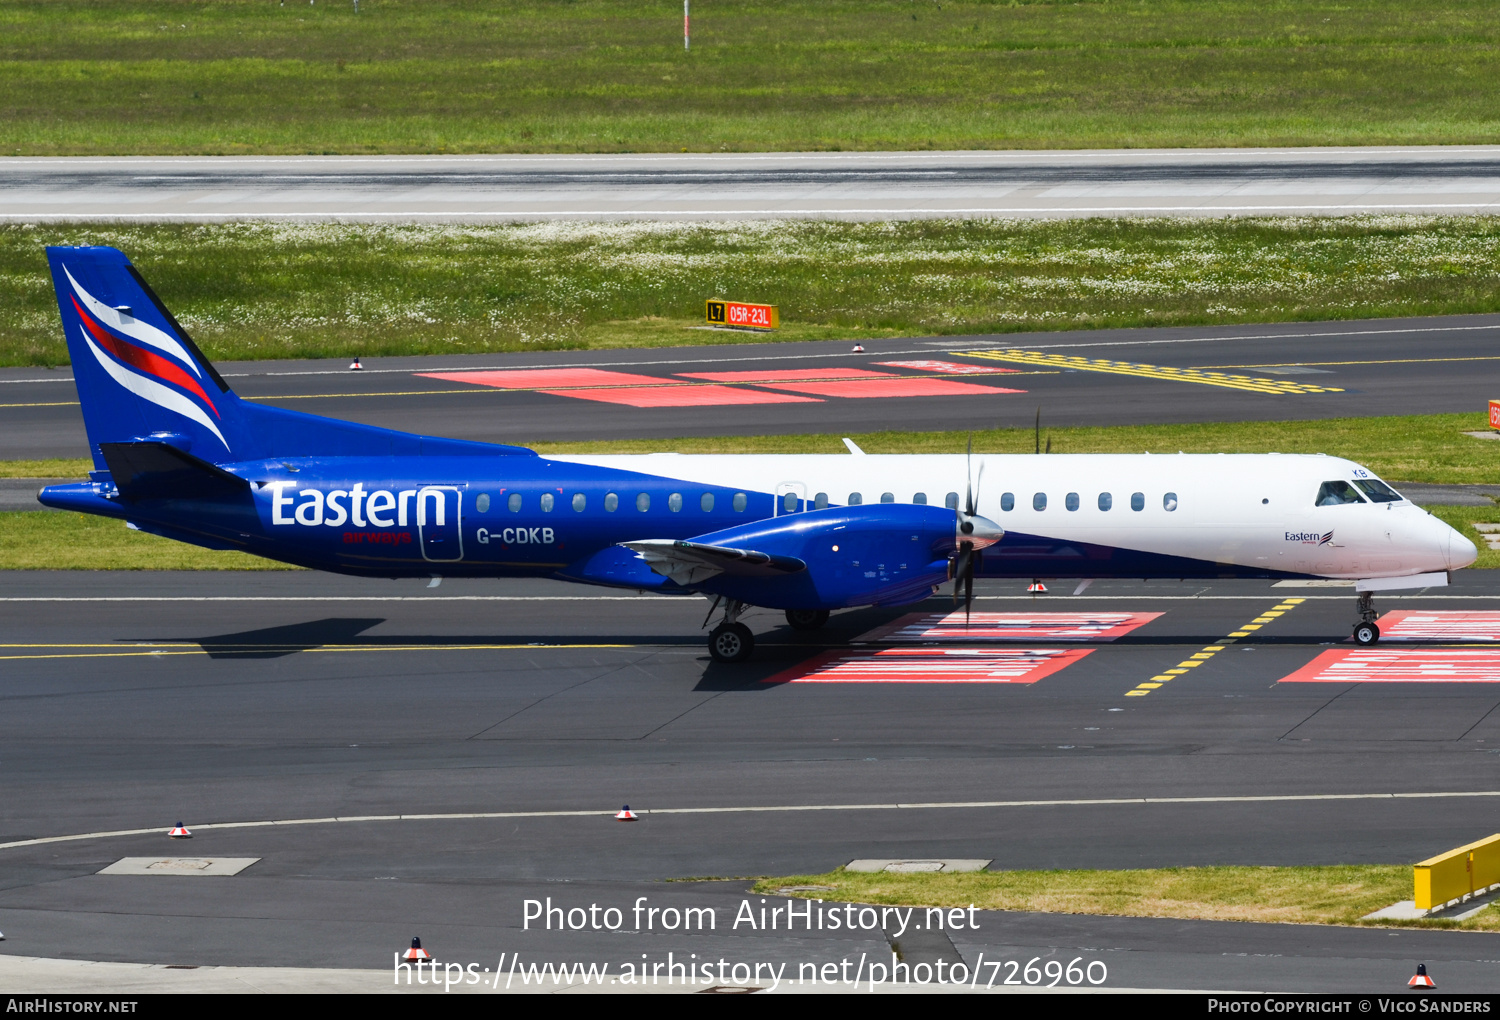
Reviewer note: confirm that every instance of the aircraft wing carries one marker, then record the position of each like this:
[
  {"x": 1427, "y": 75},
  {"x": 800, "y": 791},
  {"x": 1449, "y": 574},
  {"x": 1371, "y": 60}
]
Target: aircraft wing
[{"x": 689, "y": 563}]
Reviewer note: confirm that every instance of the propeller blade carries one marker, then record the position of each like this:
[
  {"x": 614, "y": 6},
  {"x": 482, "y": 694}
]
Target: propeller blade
[
  {"x": 969, "y": 478},
  {"x": 968, "y": 591},
  {"x": 961, "y": 564}
]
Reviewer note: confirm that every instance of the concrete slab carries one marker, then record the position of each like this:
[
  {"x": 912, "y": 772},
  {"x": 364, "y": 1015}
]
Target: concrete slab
[
  {"x": 908, "y": 866},
  {"x": 187, "y": 867}
]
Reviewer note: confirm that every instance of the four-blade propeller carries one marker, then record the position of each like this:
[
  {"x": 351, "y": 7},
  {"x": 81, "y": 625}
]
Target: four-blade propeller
[{"x": 974, "y": 534}]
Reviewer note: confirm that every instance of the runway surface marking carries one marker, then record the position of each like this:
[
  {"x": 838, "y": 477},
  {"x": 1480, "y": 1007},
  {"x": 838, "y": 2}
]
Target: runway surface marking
[
  {"x": 608, "y": 814},
  {"x": 712, "y": 389},
  {"x": 1400, "y": 666},
  {"x": 958, "y": 626},
  {"x": 932, "y": 666},
  {"x": 950, "y": 367},
  {"x": 1079, "y": 363},
  {"x": 1198, "y": 658},
  {"x": 1407, "y": 625}
]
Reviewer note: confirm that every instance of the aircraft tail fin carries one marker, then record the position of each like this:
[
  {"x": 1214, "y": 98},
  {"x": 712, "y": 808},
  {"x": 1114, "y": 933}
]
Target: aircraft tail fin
[{"x": 138, "y": 372}]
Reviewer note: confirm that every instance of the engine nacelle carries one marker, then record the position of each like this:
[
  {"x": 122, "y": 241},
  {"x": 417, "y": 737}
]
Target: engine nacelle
[{"x": 875, "y": 554}]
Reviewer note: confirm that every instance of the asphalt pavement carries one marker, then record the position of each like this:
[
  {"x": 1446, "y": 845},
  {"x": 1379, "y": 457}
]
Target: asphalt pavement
[
  {"x": 1283, "y": 371},
  {"x": 448, "y": 754},
  {"x": 729, "y": 186}
]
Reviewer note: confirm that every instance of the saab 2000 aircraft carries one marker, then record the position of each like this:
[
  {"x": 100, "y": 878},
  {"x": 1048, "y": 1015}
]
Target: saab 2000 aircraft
[{"x": 177, "y": 454}]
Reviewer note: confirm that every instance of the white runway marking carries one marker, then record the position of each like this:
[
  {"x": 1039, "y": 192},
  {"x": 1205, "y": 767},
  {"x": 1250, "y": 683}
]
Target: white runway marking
[{"x": 609, "y": 813}]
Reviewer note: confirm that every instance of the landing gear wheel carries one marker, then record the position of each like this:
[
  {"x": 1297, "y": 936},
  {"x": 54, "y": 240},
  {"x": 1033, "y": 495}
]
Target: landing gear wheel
[
  {"x": 731, "y": 642},
  {"x": 806, "y": 619},
  {"x": 1366, "y": 633}
]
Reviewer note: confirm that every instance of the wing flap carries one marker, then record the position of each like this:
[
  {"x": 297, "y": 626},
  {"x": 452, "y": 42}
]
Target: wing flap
[{"x": 690, "y": 563}]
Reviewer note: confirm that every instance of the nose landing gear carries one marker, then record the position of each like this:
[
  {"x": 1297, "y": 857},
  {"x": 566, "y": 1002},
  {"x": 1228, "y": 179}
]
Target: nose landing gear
[
  {"x": 1365, "y": 631},
  {"x": 806, "y": 619}
]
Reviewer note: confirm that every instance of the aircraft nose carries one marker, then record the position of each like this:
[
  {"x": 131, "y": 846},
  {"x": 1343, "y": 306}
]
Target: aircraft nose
[{"x": 1460, "y": 551}]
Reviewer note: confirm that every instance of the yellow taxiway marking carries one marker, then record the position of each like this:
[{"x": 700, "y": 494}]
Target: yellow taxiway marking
[
  {"x": 1206, "y": 377},
  {"x": 1209, "y": 651},
  {"x": 55, "y": 403}
]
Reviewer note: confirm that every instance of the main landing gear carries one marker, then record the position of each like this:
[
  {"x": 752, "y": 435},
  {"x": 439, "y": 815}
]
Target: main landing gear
[
  {"x": 1365, "y": 631},
  {"x": 730, "y": 641},
  {"x": 806, "y": 619}
]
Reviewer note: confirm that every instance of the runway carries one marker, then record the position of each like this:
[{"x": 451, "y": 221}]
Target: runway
[
  {"x": 729, "y": 186},
  {"x": 511, "y": 719},
  {"x": 1284, "y": 371}
]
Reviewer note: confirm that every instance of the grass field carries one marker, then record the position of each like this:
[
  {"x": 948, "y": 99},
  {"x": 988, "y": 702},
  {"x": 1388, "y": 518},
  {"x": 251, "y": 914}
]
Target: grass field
[
  {"x": 1337, "y": 894},
  {"x": 236, "y": 76},
  {"x": 1427, "y": 448},
  {"x": 283, "y": 291}
]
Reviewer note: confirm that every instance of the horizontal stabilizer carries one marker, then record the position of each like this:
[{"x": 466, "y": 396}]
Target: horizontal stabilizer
[
  {"x": 689, "y": 563},
  {"x": 153, "y": 470}
]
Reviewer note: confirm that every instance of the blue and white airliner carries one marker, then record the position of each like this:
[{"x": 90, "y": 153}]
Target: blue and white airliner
[{"x": 177, "y": 454}]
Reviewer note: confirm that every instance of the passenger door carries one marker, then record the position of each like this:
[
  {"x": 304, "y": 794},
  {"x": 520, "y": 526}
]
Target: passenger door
[{"x": 439, "y": 522}]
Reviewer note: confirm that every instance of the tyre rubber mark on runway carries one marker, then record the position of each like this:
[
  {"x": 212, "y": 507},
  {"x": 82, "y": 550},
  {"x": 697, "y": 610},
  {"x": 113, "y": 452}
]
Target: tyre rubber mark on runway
[
  {"x": 608, "y": 814},
  {"x": 1079, "y": 363},
  {"x": 932, "y": 666},
  {"x": 958, "y": 626},
  {"x": 1209, "y": 651},
  {"x": 1400, "y": 666},
  {"x": 1409, "y": 625}
]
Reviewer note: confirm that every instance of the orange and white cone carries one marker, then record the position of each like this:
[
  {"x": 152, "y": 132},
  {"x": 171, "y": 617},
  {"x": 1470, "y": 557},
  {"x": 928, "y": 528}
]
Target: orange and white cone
[
  {"x": 626, "y": 815},
  {"x": 1420, "y": 978},
  {"x": 859, "y": 349},
  {"x": 1037, "y": 588},
  {"x": 179, "y": 831},
  {"x": 355, "y": 366},
  {"x": 416, "y": 954}
]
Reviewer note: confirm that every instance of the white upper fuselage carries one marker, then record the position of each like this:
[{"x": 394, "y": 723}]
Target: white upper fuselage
[{"x": 1252, "y": 511}]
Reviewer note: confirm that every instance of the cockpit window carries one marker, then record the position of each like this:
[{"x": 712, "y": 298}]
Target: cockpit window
[
  {"x": 1336, "y": 493},
  {"x": 1378, "y": 491}
]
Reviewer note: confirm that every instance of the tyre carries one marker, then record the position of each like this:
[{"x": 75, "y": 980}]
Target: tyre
[
  {"x": 1366, "y": 633},
  {"x": 806, "y": 619},
  {"x": 731, "y": 642}
]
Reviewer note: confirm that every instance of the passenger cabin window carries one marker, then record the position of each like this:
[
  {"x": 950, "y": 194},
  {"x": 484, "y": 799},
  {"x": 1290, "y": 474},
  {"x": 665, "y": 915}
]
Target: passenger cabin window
[
  {"x": 855, "y": 498},
  {"x": 1378, "y": 491},
  {"x": 820, "y": 501},
  {"x": 514, "y": 503},
  {"x": 706, "y": 502},
  {"x": 1007, "y": 501},
  {"x": 643, "y": 502},
  {"x": 580, "y": 501},
  {"x": 1336, "y": 494},
  {"x": 1071, "y": 501},
  {"x": 887, "y": 497},
  {"x": 483, "y": 502},
  {"x": 1106, "y": 501},
  {"x": 919, "y": 498},
  {"x": 674, "y": 502},
  {"x": 611, "y": 502},
  {"x": 740, "y": 502},
  {"x": 789, "y": 502},
  {"x": 1169, "y": 501},
  {"x": 951, "y": 501},
  {"x": 1137, "y": 501},
  {"x": 1039, "y": 501},
  {"x": 547, "y": 502}
]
